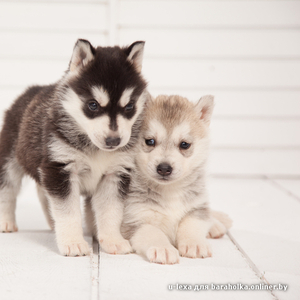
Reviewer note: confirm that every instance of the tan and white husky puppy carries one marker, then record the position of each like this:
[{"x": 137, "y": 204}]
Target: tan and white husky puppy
[{"x": 167, "y": 210}]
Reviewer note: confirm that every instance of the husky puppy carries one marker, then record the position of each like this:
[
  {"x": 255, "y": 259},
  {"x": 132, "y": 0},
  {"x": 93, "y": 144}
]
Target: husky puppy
[
  {"x": 74, "y": 138},
  {"x": 167, "y": 211}
]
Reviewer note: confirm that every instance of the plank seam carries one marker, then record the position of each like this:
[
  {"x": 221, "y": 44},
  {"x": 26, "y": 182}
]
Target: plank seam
[
  {"x": 282, "y": 188},
  {"x": 251, "y": 264},
  {"x": 95, "y": 271}
]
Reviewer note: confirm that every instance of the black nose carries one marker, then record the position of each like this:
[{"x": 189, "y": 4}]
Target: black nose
[
  {"x": 112, "y": 141},
  {"x": 164, "y": 169}
]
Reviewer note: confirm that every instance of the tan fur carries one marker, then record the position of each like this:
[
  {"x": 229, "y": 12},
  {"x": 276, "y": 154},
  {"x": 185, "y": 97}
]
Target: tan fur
[{"x": 169, "y": 216}]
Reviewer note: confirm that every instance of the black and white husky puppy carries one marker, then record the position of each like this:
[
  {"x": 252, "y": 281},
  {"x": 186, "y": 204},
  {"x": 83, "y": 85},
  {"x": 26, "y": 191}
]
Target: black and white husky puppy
[
  {"x": 167, "y": 211},
  {"x": 74, "y": 138}
]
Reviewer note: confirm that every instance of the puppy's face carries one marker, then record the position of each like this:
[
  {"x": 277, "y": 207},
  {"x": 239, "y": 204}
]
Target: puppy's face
[
  {"x": 105, "y": 93},
  {"x": 174, "y": 139}
]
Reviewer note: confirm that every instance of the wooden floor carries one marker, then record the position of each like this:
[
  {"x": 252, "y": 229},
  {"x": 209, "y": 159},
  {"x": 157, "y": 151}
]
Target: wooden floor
[{"x": 262, "y": 248}]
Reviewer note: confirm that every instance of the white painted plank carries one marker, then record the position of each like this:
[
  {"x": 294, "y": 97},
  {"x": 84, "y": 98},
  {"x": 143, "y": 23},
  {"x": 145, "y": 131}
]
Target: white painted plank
[
  {"x": 170, "y": 73},
  {"x": 19, "y": 73},
  {"x": 52, "y": 16},
  {"x": 272, "y": 162},
  {"x": 132, "y": 277},
  {"x": 243, "y": 104},
  {"x": 208, "y": 43},
  {"x": 291, "y": 186},
  {"x": 209, "y": 13},
  {"x": 255, "y": 133},
  {"x": 31, "y": 266},
  {"x": 250, "y": 103},
  {"x": 44, "y": 46},
  {"x": 257, "y": 206},
  {"x": 163, "y": 73},
  {"x": 293, "y": 291},
  {"x": 266, "y": 225}
]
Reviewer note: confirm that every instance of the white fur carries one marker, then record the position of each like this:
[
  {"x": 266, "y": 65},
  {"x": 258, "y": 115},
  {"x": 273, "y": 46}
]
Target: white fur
[
  {"x": 98, "y": 128},
  {"x": 93, "y": 173},
  {"x": 89, "y": 167},
  {"x": 108, "y": 216},
  {"x": 68, "y": 222},
  {"x": 136, "y": 55},
  {"x": 125, "y": 98},
  {"x": 101, "y": 95},
  {"x": 76, "y": 61},
  {"x": 8, "y": 196}
]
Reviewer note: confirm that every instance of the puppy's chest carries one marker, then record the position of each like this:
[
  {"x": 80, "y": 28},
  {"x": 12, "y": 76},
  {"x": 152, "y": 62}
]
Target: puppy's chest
[
  {"x": 168, "y": 213},
  {"x": 91, "y": 169}
]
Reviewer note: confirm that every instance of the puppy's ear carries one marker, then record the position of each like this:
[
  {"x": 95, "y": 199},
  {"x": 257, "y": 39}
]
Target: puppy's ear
[
  {"x": 83, "y": 53},
  {"x": 135, "y": 54},
  {"x": 205, "y": 107}
]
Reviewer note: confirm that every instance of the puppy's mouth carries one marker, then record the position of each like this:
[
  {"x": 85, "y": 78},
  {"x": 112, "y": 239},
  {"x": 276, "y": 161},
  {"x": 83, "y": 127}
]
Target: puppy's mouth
[{"x": 163, "y": 179}]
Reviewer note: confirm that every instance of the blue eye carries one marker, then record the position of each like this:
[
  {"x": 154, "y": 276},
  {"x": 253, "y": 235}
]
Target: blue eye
[
  {"x": 129, "y": 107},
  {"x": 93, "y": 105},
  {"x": 150, "y": 142},
  {"x": 184, "y": 145}
]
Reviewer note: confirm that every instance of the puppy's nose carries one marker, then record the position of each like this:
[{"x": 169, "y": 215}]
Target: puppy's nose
[
  {"x": 164, "y": 169},
  {"x": 112, "y": 141}
]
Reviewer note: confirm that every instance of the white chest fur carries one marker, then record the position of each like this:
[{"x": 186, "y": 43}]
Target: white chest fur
[
  {"x": 166, "y": 214},
  {"x": 89, "y": 168}
]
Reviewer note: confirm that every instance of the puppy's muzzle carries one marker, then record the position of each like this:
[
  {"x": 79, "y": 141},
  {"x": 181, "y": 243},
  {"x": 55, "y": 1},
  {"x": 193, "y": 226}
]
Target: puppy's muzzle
[{"x": 164, "y": 169}]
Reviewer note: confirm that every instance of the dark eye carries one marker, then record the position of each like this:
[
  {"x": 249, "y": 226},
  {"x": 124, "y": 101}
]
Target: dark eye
[
  {"x": 93, "y": 105},
  {"x": 150, "y": 142},
  {"x": 129, "y": 107},
  {"x": 184, "y": 145}
]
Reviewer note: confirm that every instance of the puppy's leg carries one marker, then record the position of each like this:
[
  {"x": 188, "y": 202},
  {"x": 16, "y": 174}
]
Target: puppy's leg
[
  {"x": 191, "y": 237},
  {"x": 45, "y": 205},
  {"x": 10, "y": 182},
  {"x": 63, "y": 193},
  {"x": 152, "y": 243},
  {"x": 108, "y": 208},
  {"x": 220, "y": 223}
]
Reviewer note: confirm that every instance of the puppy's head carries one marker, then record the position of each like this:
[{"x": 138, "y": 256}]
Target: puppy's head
[
  {"x": 104, "y": 92},
  {"x": 174, "y": 137}
]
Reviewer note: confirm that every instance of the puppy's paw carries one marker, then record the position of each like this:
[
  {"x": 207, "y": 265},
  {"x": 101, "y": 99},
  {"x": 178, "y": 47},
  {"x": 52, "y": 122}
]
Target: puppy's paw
[
  {"x": 115, "y": 245},
  {"x": 74, "y": 249},
  {"x": 8, "y": 226},
  {"x": 217, "y": 230},
  {"x": 163, "y": 255},
  {"x": 222, "y": 217},
  {"x": 194, "y": 248}
]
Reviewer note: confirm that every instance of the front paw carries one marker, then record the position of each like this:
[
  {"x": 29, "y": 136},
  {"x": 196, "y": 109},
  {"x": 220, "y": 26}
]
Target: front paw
[
  {"x": 163, "y": 255},
  {"x": 115, "y": 245},
  {"x": 74, "y": 249},
  {"x": 8, "y": 226},
  {"x": 194, "y": 248}
]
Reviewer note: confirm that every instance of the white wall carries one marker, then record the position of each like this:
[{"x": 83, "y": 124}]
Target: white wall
[{"x": 246, "y": 53}]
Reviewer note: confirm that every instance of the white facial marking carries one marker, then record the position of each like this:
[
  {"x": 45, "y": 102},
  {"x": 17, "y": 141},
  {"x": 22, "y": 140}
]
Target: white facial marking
[
  {"x": 181, "y": 131},
  {"x": 101, "y": 95},
  {"x": 157, "y": 130},
  {"x": 97, "y": 128},
  {"x": 125, "y": 98}
]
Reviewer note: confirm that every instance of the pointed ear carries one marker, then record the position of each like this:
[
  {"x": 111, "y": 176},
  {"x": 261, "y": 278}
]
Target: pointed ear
[
  {"x": 135, "y": 54},
  {"x": 205, "y": 107},
  {"x": 83, "y": 53}
]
